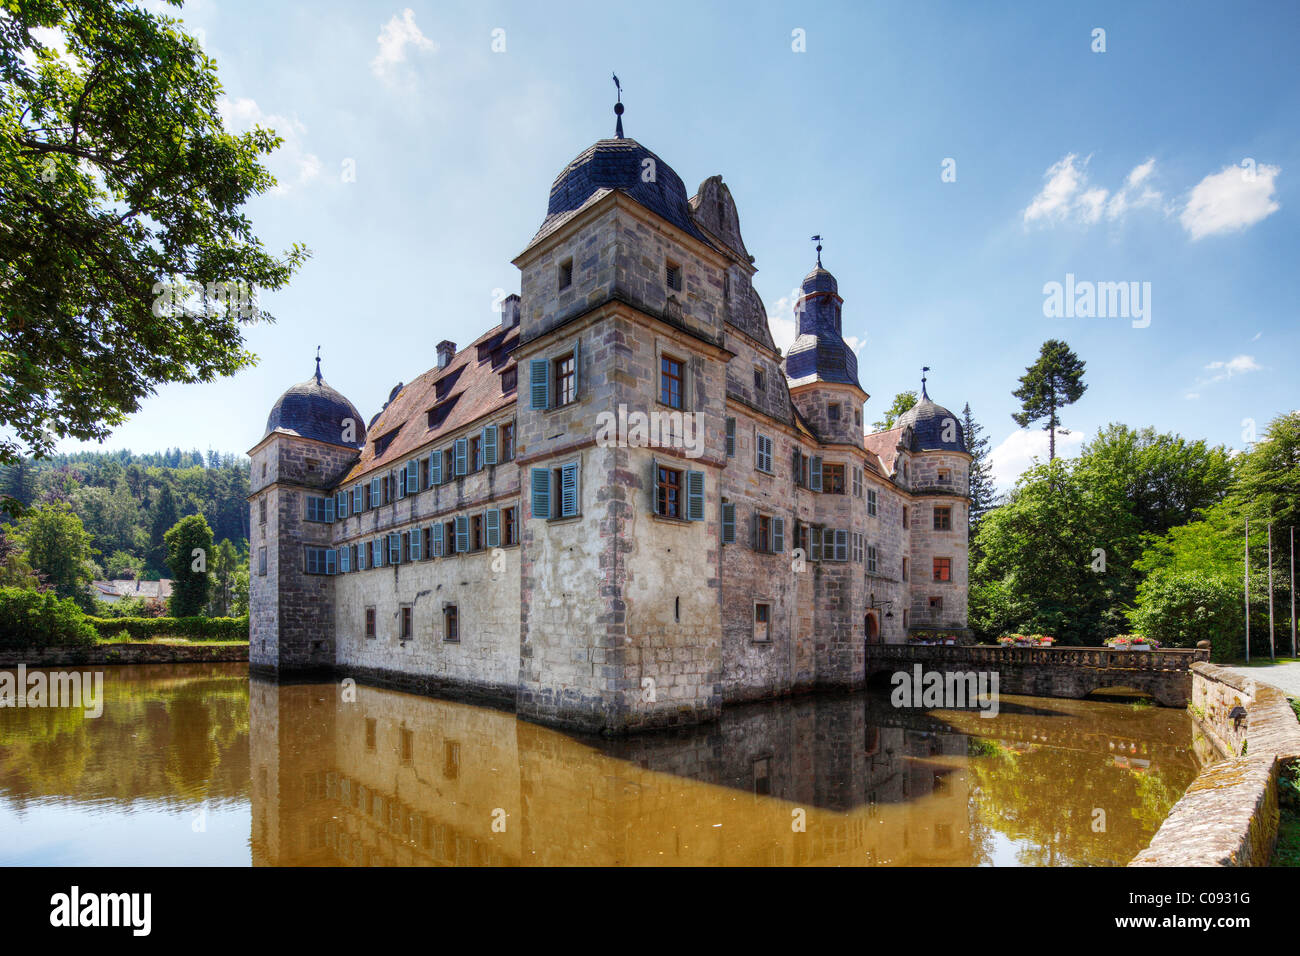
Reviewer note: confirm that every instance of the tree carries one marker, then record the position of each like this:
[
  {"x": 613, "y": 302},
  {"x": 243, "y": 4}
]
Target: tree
[
  {"x": 119, "y": 185},
  {"x": 58, "y": 547},
  {"x": 162, "y": 516},
  {"x": 1051, "y": 383},
  {"x": 980, "y": 474},
  {"x": 1268, "y": 476},
  {"x": 226, "y": 561},
  {"x": 903, "y": 401},
  {"x": 189, "y": 549},
  {"x": 15, "y": 571}
]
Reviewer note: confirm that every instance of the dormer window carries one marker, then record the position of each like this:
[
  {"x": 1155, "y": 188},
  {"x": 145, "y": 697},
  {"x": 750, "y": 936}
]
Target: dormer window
[
  {"x": 673, "y": 276},
  {"x": 566, "y": 273},
  {"x": 509, "y": 380}
]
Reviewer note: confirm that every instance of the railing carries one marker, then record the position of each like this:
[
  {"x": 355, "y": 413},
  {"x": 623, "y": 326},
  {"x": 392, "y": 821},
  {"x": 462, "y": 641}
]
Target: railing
[{"x": 1172, "y": 659}]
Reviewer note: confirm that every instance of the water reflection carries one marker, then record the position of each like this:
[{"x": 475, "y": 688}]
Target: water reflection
[{"x": 304, "y": 775}]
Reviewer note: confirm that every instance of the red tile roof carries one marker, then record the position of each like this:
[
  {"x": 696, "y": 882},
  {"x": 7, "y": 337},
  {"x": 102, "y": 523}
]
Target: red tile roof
[
  {"x": 463, "y": 392},
  {"x": 884, "y": 446}
]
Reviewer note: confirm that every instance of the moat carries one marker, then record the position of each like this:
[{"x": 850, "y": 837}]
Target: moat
[{"x": 197, "y": 765}]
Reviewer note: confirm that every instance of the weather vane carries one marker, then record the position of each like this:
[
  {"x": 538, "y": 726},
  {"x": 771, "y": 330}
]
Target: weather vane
[
  {"x": 924, "y": 369},
  {"x": 318, "y": 363},
  {"x": 618, "y": 108},
  {"x": 818, "y": 240}
]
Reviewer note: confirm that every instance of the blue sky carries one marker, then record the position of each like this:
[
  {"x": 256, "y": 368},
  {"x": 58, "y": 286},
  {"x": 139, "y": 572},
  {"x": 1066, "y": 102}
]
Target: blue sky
[{"x": 1117, "y": 166}]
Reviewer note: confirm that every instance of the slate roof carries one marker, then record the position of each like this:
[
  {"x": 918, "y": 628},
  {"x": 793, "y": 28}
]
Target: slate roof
[
  {"x": 128, "y": 587},
  {"x": 610, "y": 164},
  {"x": 928, "y": 426},
  {"x": 312, "y": 409},
  {"x": 819, "y": 352},
  {"x": 466, "y": 390}
]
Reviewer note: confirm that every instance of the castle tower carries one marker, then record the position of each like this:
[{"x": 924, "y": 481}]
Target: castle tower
[
  {"x": 311, "y": 439},
  {"x": 937, "y": 479}
]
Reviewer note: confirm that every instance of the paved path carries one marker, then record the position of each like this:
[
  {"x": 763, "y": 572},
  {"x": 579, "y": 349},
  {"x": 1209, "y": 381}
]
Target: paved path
[{"x": 1285, "y": 677}]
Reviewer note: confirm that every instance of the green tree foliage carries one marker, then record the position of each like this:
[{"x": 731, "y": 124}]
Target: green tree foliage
[
  {"x": 189, "y": 555},
  {"x": 903, "y": 401},
  {"x": 58, "y": 547},
  {"x": 1051, "y": 383},
  {"x": 980, "y": 474},
  {"x": 117, "y": 178},
  {"x": 32, "y": 619},
  {"x": 1268, "y": 479},
  {"x": 226, "y": 562}
]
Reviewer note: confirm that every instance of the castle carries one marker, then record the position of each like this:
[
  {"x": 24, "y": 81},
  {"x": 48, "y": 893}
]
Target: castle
[{"x": 487, "y": 535}]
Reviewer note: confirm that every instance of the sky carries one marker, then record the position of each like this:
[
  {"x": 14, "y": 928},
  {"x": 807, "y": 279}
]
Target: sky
[{"x": 957, "y": 158}]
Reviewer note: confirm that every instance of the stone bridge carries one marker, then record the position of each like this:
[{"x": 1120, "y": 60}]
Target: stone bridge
[{"x": 1053, "y": 671}]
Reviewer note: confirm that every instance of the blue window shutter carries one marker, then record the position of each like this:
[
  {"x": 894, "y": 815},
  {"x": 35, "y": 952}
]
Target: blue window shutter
[
  {"x": 778, "y": 534},
  {"x": 816, "y": 474},
  {"x": 413, "y": 476},
  {"x": 541, "y": 483},
  {"x": 331, "y": 561},
  {"x": 492, "y": 527},
  {"x": 731, "y": 437},
  {"x": 377, "y": 553},
  {"x": 437, "y": 540},
  {"x": 362, "y": 548},
  {"x": 413, "y": 543},
  {"x": 375, "y": 484},
  {"x": 435, "y": 468},
  {"x": 462, "y": 533},
  {"x": 569, "y": 489},
  {"x": 345, "y": 564},
  {"x": 489, "y": 445},
  {"x": 329, "y": 509},
  {"x": 816, "y": 547},
  {"x": 462, "y": 455},
  {"x": 401, "y": 482},
  {"x": 356, "y": 500},
  {"x": 695, "y": 496},
  {"x": 540, "y": 382},
  {"x": 728, "y": 522}
]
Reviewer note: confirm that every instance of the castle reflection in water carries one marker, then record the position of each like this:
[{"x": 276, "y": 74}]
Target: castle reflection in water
[{"x": 393, "y": 779}]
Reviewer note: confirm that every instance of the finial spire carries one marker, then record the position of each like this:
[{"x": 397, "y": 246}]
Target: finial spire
[
  {"x": 818, "y": 240},
  {"x": 618, "y": 108},
  {"x": 318, "y": 378},
  {"x": 924, "y": 369}
]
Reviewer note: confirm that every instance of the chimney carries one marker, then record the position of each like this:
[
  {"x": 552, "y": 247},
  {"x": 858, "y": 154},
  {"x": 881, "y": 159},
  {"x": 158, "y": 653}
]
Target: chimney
[
  {"x": 510, "y": 311},
  {"x": 445, "y": 352}
]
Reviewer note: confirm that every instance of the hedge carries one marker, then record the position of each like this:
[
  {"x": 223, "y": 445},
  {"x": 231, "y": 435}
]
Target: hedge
[
  {"x": 40, "y": 619},
  {"x": 189, "y": 628}
]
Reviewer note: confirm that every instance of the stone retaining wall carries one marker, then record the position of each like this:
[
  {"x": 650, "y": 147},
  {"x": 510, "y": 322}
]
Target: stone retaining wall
[
  {"x": 1229, "y": 815},
  {"x": 196, "y": 653}
]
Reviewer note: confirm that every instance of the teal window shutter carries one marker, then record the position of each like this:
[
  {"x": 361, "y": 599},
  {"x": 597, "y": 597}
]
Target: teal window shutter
[
  {"x": 816, "y": 474},
  {"x": 778, "y": 534},
  {"x": 377, "y": 553},
  {"x": 490, "y": 445},
  {"x": 435, "y": 468},
  {"x": 462, "y": 533},
  {"x": 401, "y": 482},
  {"x": 731, "y": 438},
  {"x": 569, "y": 490},
  {"x": 394, "y": 548},
  {"x": 816, "y": 544},
  {"x": 492, "y": 527},
  {"x": 462, "y": 455},
  {"x": 413, "y": 476},
  {"x": 329, "y": 509},
  {"x": 541, "y": 493},
  {"x": 415, "y": 544},
  {"x": 356, "y": 500},
  {"x": 437, "y": 540},
  {"x": 695, "y": 496},
  {"x": 540, "y": 383},
  {"x": 728, "y": 522},
  {"x": 374, "y": 492}
]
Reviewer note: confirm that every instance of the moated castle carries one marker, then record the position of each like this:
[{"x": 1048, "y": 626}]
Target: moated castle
[{"x": 478, "y": 539}]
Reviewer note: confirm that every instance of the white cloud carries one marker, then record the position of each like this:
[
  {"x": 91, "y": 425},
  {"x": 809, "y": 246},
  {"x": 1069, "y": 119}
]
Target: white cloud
[
  {"x": 395, "y": 37},
  {"x": 1018, "y": 451},
  {"x": 1236, "y": 365},
  {"x": 1230, "y": 200},
  {"x": 291, "y": 164},
  {"x": 1067, "y": 194}
]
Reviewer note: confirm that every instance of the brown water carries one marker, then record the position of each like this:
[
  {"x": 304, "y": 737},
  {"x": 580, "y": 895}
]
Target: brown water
[{"x": 193, "y": 764}]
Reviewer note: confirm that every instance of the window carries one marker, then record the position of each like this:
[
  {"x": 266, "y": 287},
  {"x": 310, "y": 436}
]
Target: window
[
  {"x": 668, "y": 492},
  {"x": 320, "y": 560},
  {"x": 375, "y": 491},
  {"x": 345, "y": 560},
  {"x": 904, "y": 516},
  {"x": 945, "y": 476},
  {"x": 415, "y": 544},
  {"x": 261, "y": 511},
  {"x": 261, "y": 560},
  {"x": 406, "y": 622},
  {"x": 768, "y": 533},
  {"x": 509, "y": 527},
  {"x": 450, "y": 623},
  {"x": 873, "y": 502},
  {"x": 508, "y": 441},
  {"x": 857, "y": 482},
  {"x": 356, "y": 500},
  {"x": 762, "y": 623},
  {"x": 510, "y": 380},
  {"x": 370, "y": 622},
  {"x": 760, "y": 381},
  {"x": 801, "y": 466},
  {"x": 673, "y": 276},
  {"x": 476, "y": 532},
  {"x": 872, "y": 558},
  {"x": 833, "y": 479},
  {"x": 763, "y": 453},
  {"x": 320, "y": 509},
  {"x": 556, "y": 491},
  {"x": 475, "y": 453},
  {"x": 377, "y": 553},
  {"x": 943, "y": 569},
  {"x": 449, "y": 463},
  {"x": 833, "y": 411},
  {"x": 670, "y": 382},
  {"x": 449, "y": 536},
  {"x": 728, "y": 521},
  {"x": 763, "y": 539},
  {"x": 731, "y": 437},
  {"x": 566, "y": 274},
  {"x": 905, "y": 569},
  {"x": 936, "y": 608},
  {"x": 564, "y": 380},
  {"x": 858, "y": 541},
  {"x": 942, "y": 519}
]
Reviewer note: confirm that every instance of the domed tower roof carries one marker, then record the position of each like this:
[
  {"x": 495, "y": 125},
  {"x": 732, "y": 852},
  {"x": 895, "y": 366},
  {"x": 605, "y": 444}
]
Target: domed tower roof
[
  {"x": 929, "y": 423},
  {"x": 626, "y": 165},
  {"x": 312, "y": 409},
  {"x": 819, "y": 352}
]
